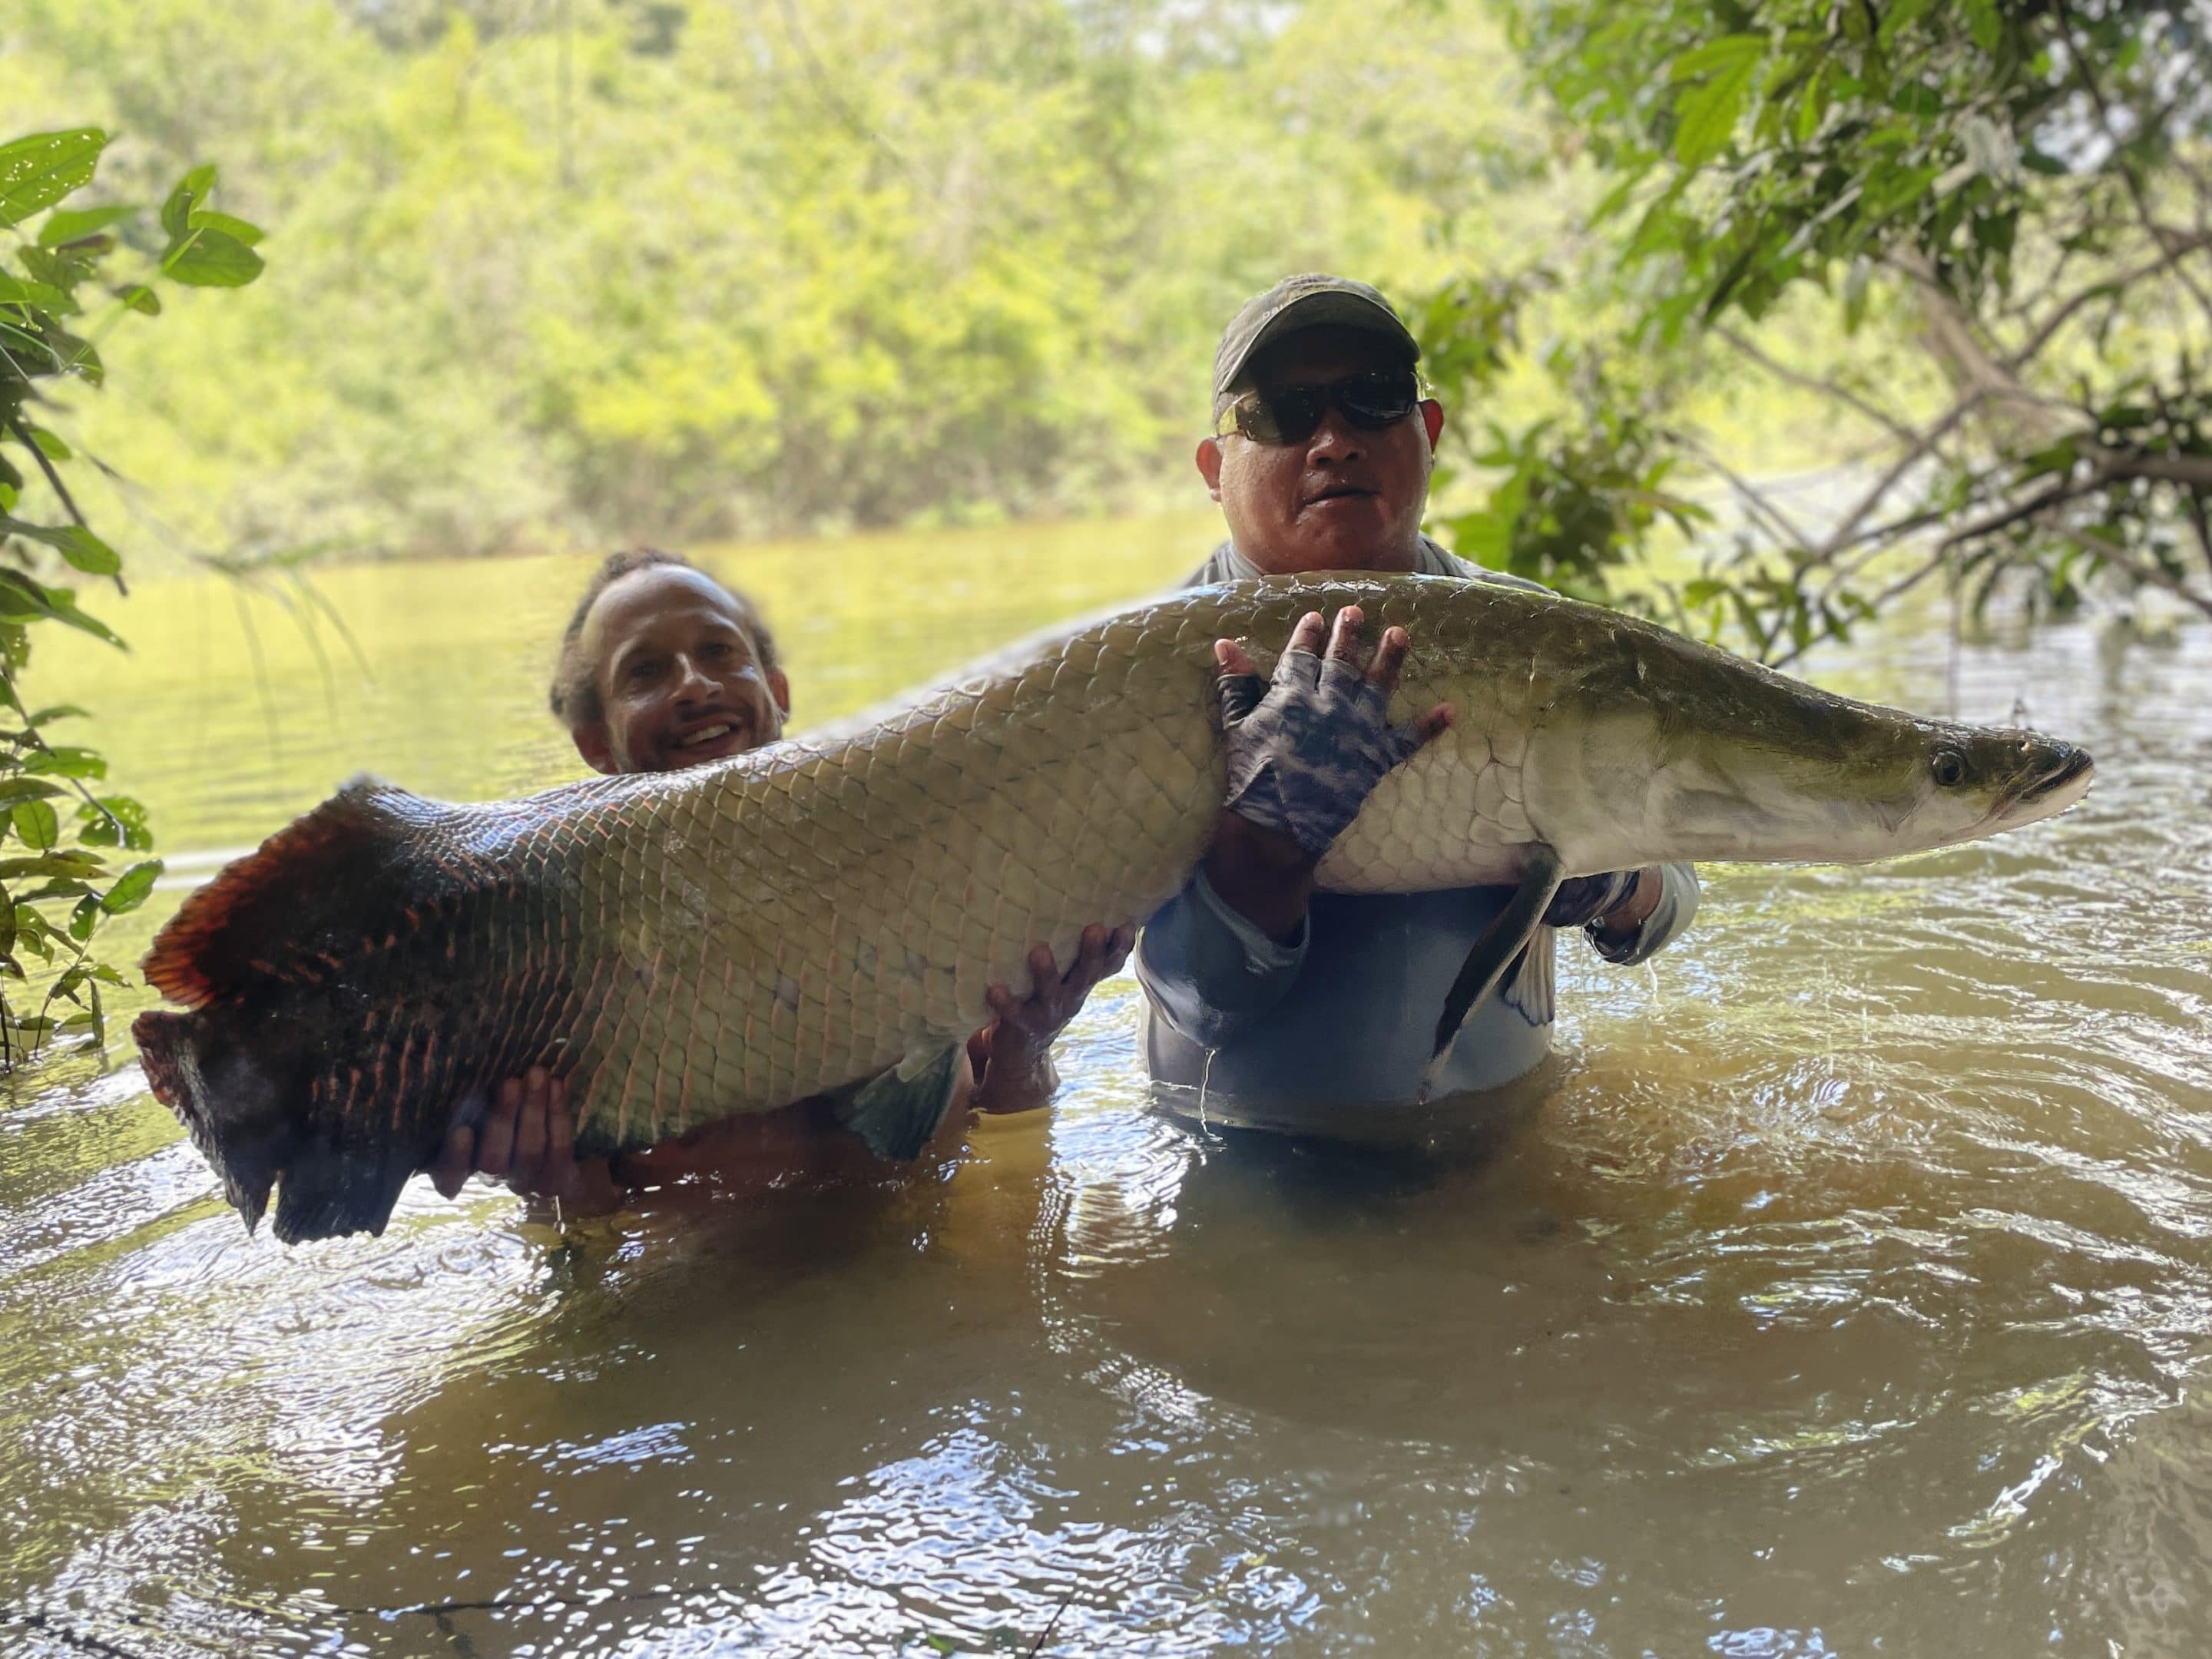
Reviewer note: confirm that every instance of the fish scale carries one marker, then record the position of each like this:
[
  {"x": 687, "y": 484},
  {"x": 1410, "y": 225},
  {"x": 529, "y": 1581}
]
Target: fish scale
[{"x": 685, "y": 946}]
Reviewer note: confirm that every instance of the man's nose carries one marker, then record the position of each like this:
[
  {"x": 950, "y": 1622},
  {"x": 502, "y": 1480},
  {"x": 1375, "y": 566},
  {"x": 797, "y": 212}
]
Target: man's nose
[
  {"x": 692, "y": 680},
  {"x": 1334, "y": 440}
]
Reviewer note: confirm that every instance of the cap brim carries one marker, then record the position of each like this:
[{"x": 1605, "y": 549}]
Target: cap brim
[{"x": 1329, "y": 308}]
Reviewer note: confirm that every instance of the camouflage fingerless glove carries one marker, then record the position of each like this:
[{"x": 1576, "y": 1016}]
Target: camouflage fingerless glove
[{"x": 1306, "y": 749}]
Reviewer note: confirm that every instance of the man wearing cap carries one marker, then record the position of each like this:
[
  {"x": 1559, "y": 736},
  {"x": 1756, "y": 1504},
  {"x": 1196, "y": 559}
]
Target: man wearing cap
[{"x": 1278, "y": 1005}]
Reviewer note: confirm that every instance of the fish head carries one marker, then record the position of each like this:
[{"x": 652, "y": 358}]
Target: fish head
[{"x": 1670, "y": 750}]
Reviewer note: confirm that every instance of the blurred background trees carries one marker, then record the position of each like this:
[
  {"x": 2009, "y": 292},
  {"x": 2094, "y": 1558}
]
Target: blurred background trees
[
  {"x": 583, "y": 270},
  {"x": 1758, "y": 316}
]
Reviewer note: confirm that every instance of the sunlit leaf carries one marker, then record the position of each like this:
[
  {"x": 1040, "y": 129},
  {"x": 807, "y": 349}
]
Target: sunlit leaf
[
  {"x": 208, "y": 258},
  {"x": 36, "y": 172},
  {"x": 67, "y": 760},
  {"x": 36, "y": 824},
  {"x": 192, "y": 189},
  {"x": 236, "y": 229},
  {"x": 1708, "y": 114},
  {"x": 66, "y": 225},
  {"x": 131, "y": 888}
]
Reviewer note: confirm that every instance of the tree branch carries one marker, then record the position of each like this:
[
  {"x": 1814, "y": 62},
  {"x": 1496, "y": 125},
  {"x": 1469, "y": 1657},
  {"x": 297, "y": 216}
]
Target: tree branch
[
  {"x": 1843, "y": 394},
  {"x": 2176, "y": 247},
  {"x": 2191, "y": 471},
  {"x": 2127, "y": 174},
  {"x": 1845, "y": 533},
  {"x": 69, "y": 503},
  {"x": 2141, "y": 569},
  {"x": 1754, "y": 500}
]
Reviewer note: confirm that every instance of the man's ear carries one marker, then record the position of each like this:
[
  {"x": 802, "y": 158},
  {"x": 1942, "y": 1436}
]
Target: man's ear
[
  {"x": 1209, "y": 465},
  {"x": 591, "y": 739},
  {"x": 1432, "y": 417},
  {"x": 780, "y": 689}
]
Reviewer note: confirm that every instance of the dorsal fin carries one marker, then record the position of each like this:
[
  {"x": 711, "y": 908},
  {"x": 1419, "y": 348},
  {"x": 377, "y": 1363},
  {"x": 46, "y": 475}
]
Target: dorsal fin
[{"x": 268, "y": 916}]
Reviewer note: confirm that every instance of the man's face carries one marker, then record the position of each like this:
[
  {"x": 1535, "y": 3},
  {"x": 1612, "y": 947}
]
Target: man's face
[
  {"x": 1342, "y": 499},
  {"x": 679, "y": 679}
]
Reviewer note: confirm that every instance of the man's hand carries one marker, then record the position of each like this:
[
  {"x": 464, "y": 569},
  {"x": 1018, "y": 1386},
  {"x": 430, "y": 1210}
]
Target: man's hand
[
  {"x": 528, "y": 1140},
  {"x": 1305, "y": 751},
  {"x": 1612, "y": 906},
  {"x": 1012, "y": 1056}
]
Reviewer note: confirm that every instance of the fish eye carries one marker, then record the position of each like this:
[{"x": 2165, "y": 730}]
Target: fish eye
[{"x": 1949, "y": 767}]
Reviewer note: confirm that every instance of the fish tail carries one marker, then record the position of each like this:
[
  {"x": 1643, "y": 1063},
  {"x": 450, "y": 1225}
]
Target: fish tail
[
  {"x": 324, "y": 1047},
  {"x": 235, "y": 1086},
  {"x": 224, "y": 1100}
]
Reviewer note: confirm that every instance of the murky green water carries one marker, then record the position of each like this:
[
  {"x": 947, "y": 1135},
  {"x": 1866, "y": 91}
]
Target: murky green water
[{"x": 1849, "y": 1294}]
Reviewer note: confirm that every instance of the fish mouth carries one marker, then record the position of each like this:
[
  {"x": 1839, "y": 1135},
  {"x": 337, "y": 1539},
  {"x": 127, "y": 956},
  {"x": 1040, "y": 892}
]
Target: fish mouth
[{"x": 2074, "y": 765}]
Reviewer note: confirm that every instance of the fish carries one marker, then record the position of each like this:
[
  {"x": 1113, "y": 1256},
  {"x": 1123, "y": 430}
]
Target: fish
[{"x": 825, "y": 914}]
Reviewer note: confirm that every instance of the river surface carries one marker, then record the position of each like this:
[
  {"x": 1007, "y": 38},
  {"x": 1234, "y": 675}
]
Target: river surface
[{"x": 1850, "y": 1292}]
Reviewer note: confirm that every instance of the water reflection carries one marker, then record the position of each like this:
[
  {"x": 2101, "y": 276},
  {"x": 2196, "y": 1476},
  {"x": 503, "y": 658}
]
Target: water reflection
[{"x": 1849, "y": 1285}]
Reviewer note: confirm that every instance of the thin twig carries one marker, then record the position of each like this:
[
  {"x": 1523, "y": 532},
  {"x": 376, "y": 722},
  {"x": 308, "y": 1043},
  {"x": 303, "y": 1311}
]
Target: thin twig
[
  {"x": 1038, "y": 1646},
  {"x": 2127, "y": 174},
  {"x": 2058, "y": 319},
  {"x": 1844, "y": 394},
  {"x": 16, "y": 425},
  {"x": 1843, "y": 534},
  {"x": 2143, "y": 571},
  {"x": 1753, "y": 499}
]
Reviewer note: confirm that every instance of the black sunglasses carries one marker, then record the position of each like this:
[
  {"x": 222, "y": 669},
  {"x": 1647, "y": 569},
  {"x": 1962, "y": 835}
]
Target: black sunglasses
[{"x": 1291, "y": 414}]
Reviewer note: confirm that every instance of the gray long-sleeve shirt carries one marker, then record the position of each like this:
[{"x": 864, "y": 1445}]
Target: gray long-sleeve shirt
[{"x": 1342, "y": 1014}]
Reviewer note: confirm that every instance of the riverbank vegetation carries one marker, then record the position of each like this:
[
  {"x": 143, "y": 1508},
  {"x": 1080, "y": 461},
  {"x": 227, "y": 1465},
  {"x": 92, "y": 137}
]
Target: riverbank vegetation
[
  {"x": 561, "y": 272},
  {"x": 73, "y": 278}
]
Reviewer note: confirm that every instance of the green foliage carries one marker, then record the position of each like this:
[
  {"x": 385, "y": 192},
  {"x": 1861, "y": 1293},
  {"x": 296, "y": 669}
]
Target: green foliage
[
  {"x": 2016, "y": 195},
  {"x": 605, "y": 270},
  {"x": 53, "y": 897}
]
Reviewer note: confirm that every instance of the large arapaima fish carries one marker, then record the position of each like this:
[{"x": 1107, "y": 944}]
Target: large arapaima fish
[{"x": 684, "y": 946}]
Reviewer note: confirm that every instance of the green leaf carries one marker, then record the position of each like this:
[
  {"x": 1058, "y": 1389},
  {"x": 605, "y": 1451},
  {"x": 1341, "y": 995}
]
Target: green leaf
[
  {"x": 63, "y": 864},
  {"x": 82, "y": 919},
  {"x": 86, "y": 551},
  {"x": 75, "y": 544},
  {"x": 49, "y": 444},
  {"x": 1708, "y": 116},
  {"x": 115, "y": 821},
  {"x": 208, "y": 258},
  {"x": 67, "y": 225},
  {"x": 132, "y": 887},
  {"x": 22, "y": 599},
  {"x": 67, "y": 760},
  {"x": 1729, "y": 51},
  {"x": 15, "y": 291},
  {"x": 238, "y": 230},
  {"x": 36, "y": 172},
  {"x": 37, "y": 825},
  {"x": 140, "y": 298},
  {"x": 16, "y": 791},
  {"x": 192, "y": 189}
]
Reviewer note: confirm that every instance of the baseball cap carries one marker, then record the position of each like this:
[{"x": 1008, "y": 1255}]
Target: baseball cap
[{"x": 1309, "y": 300}]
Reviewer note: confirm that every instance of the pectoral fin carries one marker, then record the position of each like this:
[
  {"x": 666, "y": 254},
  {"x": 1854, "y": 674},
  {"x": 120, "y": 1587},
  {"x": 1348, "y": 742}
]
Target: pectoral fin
[
  {"x": 1497, "y": 952},
  {"x": 898, "y": 1112},
  {"x": 1528, "y": 987}
]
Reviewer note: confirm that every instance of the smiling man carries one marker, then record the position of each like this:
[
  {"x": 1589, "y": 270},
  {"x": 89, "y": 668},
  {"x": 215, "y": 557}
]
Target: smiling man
[
  {"x": 661, "y": 667},
  {"x": 1279, "y": 1004}
]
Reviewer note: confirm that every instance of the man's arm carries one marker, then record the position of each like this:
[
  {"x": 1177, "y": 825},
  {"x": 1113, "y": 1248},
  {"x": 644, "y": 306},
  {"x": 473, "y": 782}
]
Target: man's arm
[{"x": 1665, "y": 899}]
